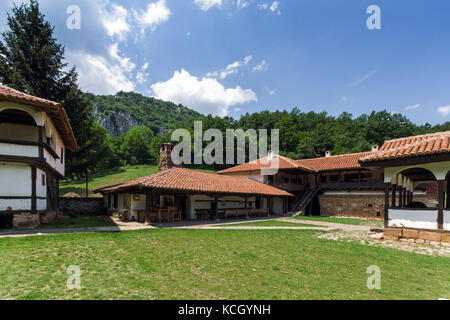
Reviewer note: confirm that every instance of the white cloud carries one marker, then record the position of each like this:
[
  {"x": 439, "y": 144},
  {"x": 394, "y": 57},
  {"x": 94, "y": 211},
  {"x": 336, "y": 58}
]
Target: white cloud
[
  {"x": 142, "y": 75},
  {"x": 274, "y": 7},
  {"x": 124, "y": 62},
  {"x": 357, "y": 82},
  {"x": 344, "y": 99},
  {"x": 103, "y": 74},
  {"x": 155, "y": 14},
  {"x": 205, "y": 5},
  {"x": 205, "y": 95},
  {"x": 444, "y": 111},
  {"x": 115, "y": 21},
  {"x": 260, "y": 67},
  {"x": 242, "y": 4},
  {"x": 232, "y": 68},
  {"x": 412, "y": 107}
]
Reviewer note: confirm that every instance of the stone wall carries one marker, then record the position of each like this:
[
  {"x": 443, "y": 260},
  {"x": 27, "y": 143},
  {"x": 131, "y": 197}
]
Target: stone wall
[
  {"x": 352, "y": 205},
  {"x": 417, "y": 235},
  {"x": 26, "y": 220},
  {"x": 82, "y": 206}
]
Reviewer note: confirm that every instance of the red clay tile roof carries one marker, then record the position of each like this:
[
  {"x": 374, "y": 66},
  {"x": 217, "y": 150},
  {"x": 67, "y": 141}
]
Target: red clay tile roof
[
  {"x": 187, "y": 180},
  {"x": 409, "y": 147},
  {"x": 265, "y": 164},
  {"x": 339, "y": 162},
  {"x": 54, "y": 109}
]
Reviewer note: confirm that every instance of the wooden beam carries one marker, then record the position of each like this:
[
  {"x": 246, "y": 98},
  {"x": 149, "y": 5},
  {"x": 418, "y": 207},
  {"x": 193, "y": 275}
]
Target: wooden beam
[
  {"x": 386, "y": 204},
  {"x": 440, "y": 220},
  {"x": 148, "y": 204},
  {"x": 394, "y": 192},
  {"x": 41, "y": 141},
  {"x": 448, "y": 193}
]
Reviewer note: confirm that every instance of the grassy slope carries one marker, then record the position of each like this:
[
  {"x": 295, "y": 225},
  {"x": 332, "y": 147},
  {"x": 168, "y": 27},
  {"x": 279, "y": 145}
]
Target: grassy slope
[
  {"x": 107, "y": 178},
  {"x": 219, "y": 264}
]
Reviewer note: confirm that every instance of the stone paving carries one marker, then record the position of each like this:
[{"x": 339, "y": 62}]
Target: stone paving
[{"x": 375, "y": 239}]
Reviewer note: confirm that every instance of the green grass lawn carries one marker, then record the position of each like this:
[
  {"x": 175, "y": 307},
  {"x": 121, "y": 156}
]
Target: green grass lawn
[
  {"x": 213, "y": 264},
  {"x": 106, "y": 178},
  {"x": 80, "y": 222},
  {"x": 270, "y": 223},
  {"x": 353, "y": 221}
]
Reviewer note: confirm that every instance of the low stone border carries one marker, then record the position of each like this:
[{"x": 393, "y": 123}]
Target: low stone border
[{"x": 416, "y": 235}]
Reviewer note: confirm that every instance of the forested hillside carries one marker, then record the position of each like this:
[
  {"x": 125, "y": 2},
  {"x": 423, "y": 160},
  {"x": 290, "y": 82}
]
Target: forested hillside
[{"x": 123, "y": 111}]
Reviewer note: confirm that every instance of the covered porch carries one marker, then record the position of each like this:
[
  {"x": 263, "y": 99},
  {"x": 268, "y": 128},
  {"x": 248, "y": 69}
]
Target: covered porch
[{"x": 404, "y": 209}]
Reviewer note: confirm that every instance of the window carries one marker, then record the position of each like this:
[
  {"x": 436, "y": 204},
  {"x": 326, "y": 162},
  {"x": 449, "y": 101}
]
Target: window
[
  {"x": 323, "y": 179},
  {"x": 286, "y": 180},
  {"x": 62, "y": 155},
  {"x": 352, "y": 177},
  {"x": 270, "y": 179},
  {"x": 43, "y": 179},
  {"x": 299, "y": 180}
]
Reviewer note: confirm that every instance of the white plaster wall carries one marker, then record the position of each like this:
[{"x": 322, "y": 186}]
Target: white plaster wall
[
  {"x": 447, "y": 219},
  {"x": 16, "y": 204},
  {"x": 41, "y": 205},
  {"x": 41, "y": 190},
  {"x": 138, "y": 204},
  {"x": 15, "y": 180},
  {"x": 235, "y": 202},
  {"x": 425, "y": 219},
  {"x": 195, "y": 203},
  {"x": 19, "y": 150},
  {"x": 50, "y": 131}
]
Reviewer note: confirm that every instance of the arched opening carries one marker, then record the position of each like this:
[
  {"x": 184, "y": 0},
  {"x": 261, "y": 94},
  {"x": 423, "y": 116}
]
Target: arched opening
[
  {"x": 17, "y": 125},
  {"x": 416, "y": 188}
]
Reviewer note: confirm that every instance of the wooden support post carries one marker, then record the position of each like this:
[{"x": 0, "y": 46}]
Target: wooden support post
[
  {"x": 41, "y": 141},
  {"x": 394, "y": 192},
  {"x": 448, "y": 193},
  {"x": 408, "y": 198},
  {"x": 386, "y": 204},
  {"x": 440, "y": 220},
  {"x": 148, "y": 204},
  {"x": 400, "y": 197},
  {"x": 405, "y": 196}
]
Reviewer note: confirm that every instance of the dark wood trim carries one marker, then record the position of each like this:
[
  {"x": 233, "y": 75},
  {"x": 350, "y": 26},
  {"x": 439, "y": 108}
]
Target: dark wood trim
[
  {"x": 448, "y": 194},
  {"x": 41, "y": 141},
  {"x": 20, "y": 142},
  {"x": 440, "y": 220},
  {"x": 33, "y": 189},
  {"x": 386, "y": 204},
  {"x": 400, "y": 198},
  {"x": 408, "y": 161},
  {"x": 414, "y": 209},
  {"x": 148, "y": 204},
  {"x": 394, "y": 192}
]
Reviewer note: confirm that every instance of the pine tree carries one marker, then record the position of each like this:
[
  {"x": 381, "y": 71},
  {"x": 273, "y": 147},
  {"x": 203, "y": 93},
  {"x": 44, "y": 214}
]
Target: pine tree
[{"x": 31, "y": 60}]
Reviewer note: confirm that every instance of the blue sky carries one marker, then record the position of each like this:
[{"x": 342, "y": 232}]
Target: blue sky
[{"x": 229, "y": 57}]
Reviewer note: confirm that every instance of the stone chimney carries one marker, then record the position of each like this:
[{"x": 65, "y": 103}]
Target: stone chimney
[
  {"x": 328, "y": 154},
  {"x": 165, "y": 157},
  {"x": 375, "y": 148}
]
